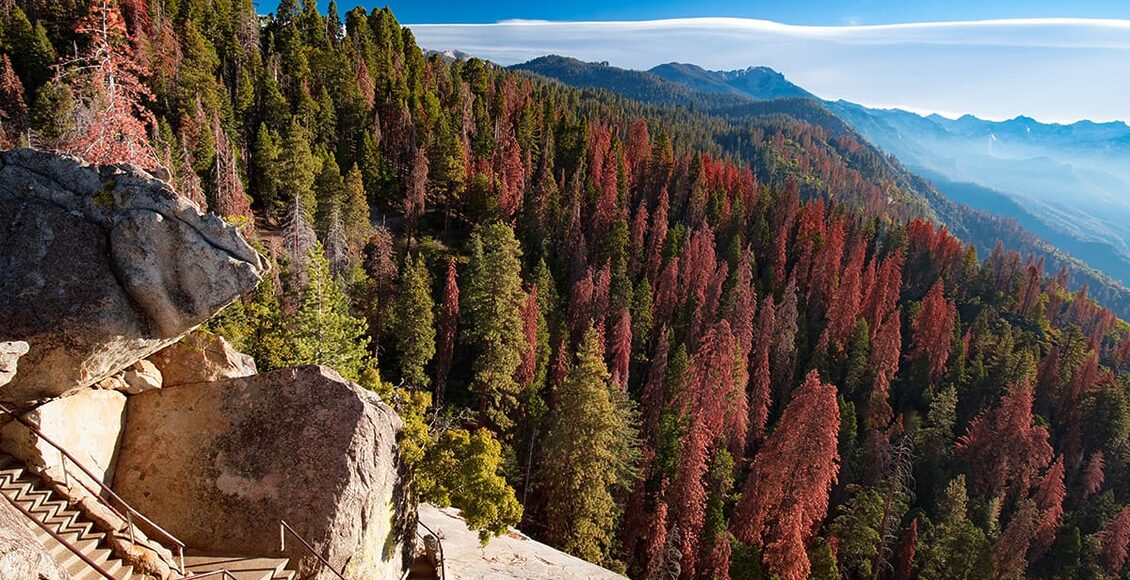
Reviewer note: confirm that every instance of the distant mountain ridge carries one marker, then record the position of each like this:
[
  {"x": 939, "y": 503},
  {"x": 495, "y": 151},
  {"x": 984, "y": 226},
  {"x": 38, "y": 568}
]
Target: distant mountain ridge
[
  {"x": 1069, "y": 182},
  {"x": 761, "y": 92},
  {"x": 758, "y": 82},
  {"x": 643, "y": 86}
]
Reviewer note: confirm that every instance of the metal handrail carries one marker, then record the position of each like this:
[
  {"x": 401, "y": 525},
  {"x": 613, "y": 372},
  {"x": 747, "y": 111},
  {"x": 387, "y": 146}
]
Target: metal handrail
[
  {"x": 439, "y": 542},
  {"x": 129, "y": 509},
  {"x": 284, "y": 528},
  {"x": 59, "y": 538},
  {"x": 223, "y": 572}
]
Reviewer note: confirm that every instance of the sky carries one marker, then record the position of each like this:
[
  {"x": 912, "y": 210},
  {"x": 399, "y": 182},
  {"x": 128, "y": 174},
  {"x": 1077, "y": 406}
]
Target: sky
[{"x": 812, "y": 12}]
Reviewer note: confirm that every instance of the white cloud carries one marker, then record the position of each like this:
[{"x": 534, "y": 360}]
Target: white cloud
[{"x": 1051, "y": 69}]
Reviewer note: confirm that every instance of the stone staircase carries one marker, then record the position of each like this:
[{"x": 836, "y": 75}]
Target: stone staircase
[
  {"x": 40, "y": 502},
  {"x": 50, "y": 508}
]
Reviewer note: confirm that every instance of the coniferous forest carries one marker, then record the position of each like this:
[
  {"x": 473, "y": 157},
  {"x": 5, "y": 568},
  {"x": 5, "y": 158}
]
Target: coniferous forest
[{"x": 676, "y": 345}]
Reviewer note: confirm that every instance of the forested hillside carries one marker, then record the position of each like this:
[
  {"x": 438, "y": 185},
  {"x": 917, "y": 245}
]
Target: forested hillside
[
  {"x": 737, "y": 103},
  {"x": 664, "y": 342}
]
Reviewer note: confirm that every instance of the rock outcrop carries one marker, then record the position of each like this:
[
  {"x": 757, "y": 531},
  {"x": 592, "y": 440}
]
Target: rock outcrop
[
  {"x": 219, "y": 464},
  {"x": 10, "y": 353},
  {"x": 100, "y": 266},
  {"x": 513, "y": 555},
  {"x": 21, "y": 555},
  {"x": 201, "y": 357},
  {"x": 141, "y": 376},
  {"x": 87, "y": 424}
]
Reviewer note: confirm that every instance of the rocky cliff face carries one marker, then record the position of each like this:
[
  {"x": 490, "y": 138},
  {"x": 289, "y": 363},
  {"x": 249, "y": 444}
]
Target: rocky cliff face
[{"x": 101, "y": 266}]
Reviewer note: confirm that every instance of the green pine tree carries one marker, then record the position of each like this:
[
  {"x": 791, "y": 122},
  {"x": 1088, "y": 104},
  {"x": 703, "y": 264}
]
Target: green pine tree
[
  {"x": 329, "y": 189},
  {"x": 493, "y": 304},
  {"x": 268, "y": 171},
  {"x": 584, "y": 457},
  {"x": 31, "y": 51},
  {"x": 355, "y": 210},
  {"x": 298, "y": 166},
  {"x": 415, "y": 328},
  {"x": 323, "y": 331}
]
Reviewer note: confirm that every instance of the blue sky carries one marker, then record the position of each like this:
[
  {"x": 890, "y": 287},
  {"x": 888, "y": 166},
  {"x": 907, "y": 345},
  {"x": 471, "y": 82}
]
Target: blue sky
[{"x": 814, "y": 12}]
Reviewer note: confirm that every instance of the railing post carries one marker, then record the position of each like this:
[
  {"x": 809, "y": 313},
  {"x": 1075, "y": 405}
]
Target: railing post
[
  {"x": 129, "y": 522},
  {"x": 285, "y": 527}
]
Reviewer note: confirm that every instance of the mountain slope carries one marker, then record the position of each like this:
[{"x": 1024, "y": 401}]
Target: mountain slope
[
  {"x": 1068, "y": 182},
  {"x": 694, "y": 77}
]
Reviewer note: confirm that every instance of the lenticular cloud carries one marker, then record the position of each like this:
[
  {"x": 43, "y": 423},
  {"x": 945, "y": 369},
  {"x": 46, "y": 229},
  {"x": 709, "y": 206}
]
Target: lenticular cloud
[{"x": 1051, "y": 69}]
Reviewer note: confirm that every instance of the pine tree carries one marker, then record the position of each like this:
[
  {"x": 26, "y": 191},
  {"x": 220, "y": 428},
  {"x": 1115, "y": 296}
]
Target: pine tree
[
  {"x": 1048, "y": 497},
  {"x": 268, "y": 170},
  {"x": 620, "y": 349},
  {"x": 1005, "y": 445},
  {"x": 786, "y": 494},
  {"x": 228, "y": 193},
  {"x": 298, "y": 241},
  {"x": 29, "y": 46},
  {"x": 448, "y": 318},
  {"x": 784, "y": 343},
  {"x": 298, "y": 168},
  {"x": 329, "y": 193},
  {"x": 323, "y": 331},
  {"x": 760, "y": 391},
  {"x": 380, "y": 284},
  {"x": 337, "y": 249},
  {"x": 1115, "y": 539},
  {"x": 415, "y": 329},
  {"x": 955, "y": 548},
  {"x": 1093, "y": 475},
  {"x": 355, "y": 211},
  {"x": 530, "y": 315},
  {"x": 13, "y": 110},
  {"x": 582, "y": 467},
  {"x": 493, "y": 306},
  {"x": 110, "y": 118},
  {"x": 932, "y": 329},
  {"x": 884, "y": 363},
  {"x": 416, "y": 195},
  {"x": 907, "y": 550}
]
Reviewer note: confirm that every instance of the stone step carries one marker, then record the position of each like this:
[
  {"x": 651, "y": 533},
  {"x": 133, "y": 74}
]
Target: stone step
[
  {"x": 60, "y": 550},
  {"x": 76, "y": 567},
  {"x": 242, "y": 567},
  {"x": 74, "y": 564},
  {"x": 53, "y": 510},
  {"x": 70, "y": 523}
]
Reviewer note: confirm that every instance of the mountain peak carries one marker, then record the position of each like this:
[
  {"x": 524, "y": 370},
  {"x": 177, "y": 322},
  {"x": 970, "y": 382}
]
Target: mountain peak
[{"x": 759, "y": 82}]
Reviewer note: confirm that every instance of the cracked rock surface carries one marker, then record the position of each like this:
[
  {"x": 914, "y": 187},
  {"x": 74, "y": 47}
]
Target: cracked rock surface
[{"x": 101, "y": 266}]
